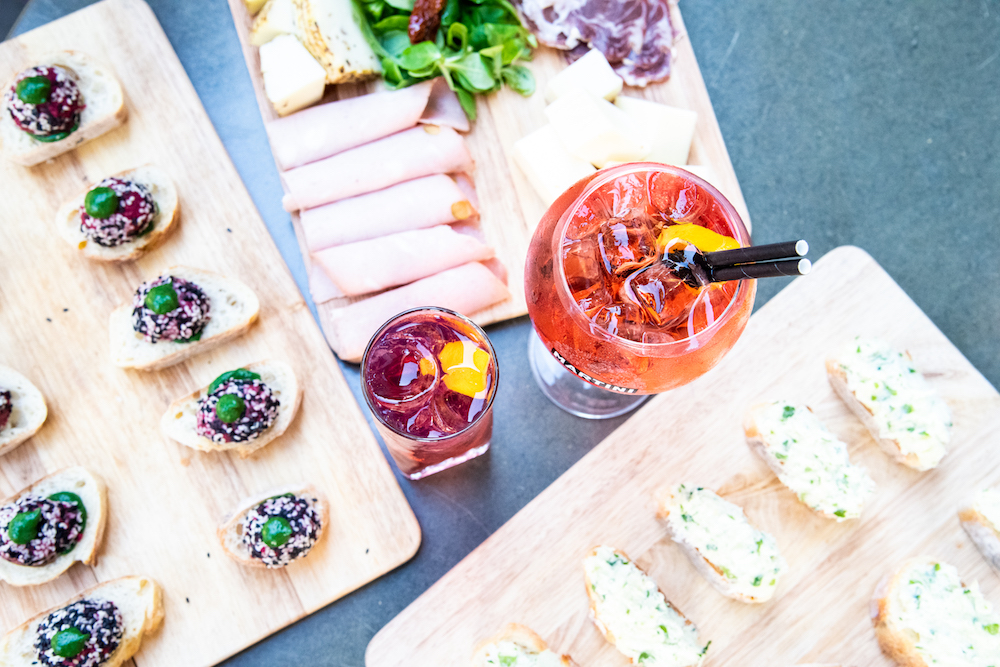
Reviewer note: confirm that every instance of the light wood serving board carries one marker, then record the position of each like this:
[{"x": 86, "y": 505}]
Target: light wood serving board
[
  {"x": 509, "y": 207},
  {"x": 530, "y": 570},
  {"x": 166, "y": 501}
]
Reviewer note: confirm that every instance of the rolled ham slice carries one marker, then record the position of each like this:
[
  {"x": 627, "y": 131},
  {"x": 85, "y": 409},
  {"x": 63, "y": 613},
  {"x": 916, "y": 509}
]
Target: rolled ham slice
[
  {"x": 374, "y": 265},
  {"x": 417, "y": 204},
  {"x": 413, "y": 153},
  {"x": 465, "y": 289},
  {"x": 443, "y": 108}
]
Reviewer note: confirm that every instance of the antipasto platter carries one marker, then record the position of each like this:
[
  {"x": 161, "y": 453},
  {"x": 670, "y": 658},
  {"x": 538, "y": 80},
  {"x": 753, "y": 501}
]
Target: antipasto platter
[
  {"x": 531, "y": 571},
  {"x": 166, "y": 502}
]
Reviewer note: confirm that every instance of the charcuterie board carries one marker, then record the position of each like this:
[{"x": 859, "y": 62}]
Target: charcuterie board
[
  {"x": 167, "y": 501},
  {"x": 530, "y": 570},
  {"x": 509, "y": 206}
]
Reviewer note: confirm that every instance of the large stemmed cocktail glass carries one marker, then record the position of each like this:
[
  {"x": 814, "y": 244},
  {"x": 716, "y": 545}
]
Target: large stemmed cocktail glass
[{"x": 613, "y": 324}]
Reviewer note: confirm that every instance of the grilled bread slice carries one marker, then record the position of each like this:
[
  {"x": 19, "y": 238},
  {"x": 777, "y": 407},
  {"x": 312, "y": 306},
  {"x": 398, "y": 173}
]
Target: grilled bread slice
[
  {"x": 635, "y": 616},
  {"x": 105, "y": 110},
  {"x": 924, "y": 615},
  {"x": 164, "y": 194},
  {"x": 741, "y": 561},
  {"x": 138, "y": 599},
  {"x": 233, "y": 309},
  {"x": 981, "y": 520},
  {"x": 180, "y": 420},
  {"x": 28, "y": 410},
  {"x": 808, "y": 459},
  {"x": 517, "y": 646},
  {"x": 900, "y": 409},
  {"x": 94, "y": 495}
]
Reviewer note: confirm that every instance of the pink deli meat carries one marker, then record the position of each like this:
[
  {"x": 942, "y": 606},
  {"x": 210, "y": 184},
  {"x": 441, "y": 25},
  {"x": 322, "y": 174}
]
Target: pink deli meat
[
  {"x": 465, "y": 289},
  {"x": 417, "y": 204},
  {"x": 636, "y": 36},
  {"x": 413, "y": 153},
  {"x": 443, "y": 108},
  {"x": 374, "y": 265}
]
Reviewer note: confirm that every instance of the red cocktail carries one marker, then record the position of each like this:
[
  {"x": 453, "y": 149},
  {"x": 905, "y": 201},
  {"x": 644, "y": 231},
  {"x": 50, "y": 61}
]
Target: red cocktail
[
  {"x": 429, "y": 375},
  {"x": 608, "y": 309}
]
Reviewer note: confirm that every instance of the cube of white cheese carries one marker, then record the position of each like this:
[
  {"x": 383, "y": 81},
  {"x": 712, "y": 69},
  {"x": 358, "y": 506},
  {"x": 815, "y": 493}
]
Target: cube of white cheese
[
  {"x": 549, "y": 168},
  {"x": 668, "y": 130},
  {"x": 591, "y": 73},
  {"x": 595, "y": 130},
  {"x": 292, "y": 77},
  {"x": 276, "y": 18}
]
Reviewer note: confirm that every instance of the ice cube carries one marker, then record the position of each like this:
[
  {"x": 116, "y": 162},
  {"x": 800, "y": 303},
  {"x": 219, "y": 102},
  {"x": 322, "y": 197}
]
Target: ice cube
[
  {"x": 707, "y": 308},
  {"x": 627, "y": 244},
  {"x": 582, "y": 264},
  {"x": 621, "y": 319},
  {"x": 663, "y": 297},
  {"x": 677, "y": 198},
  {"x": 401, "y": 373}
]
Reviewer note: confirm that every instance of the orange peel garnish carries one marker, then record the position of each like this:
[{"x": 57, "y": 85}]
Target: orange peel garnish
[
  {"x": 464, "y": 365},
  {"x": 703, "y": 238}
]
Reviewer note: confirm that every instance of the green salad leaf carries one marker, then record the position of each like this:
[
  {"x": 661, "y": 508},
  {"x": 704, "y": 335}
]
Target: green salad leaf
[{"x": 480, "y": 46}]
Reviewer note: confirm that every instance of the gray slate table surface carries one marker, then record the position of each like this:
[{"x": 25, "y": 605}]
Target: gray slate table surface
[{"x": 873, "y": 123}]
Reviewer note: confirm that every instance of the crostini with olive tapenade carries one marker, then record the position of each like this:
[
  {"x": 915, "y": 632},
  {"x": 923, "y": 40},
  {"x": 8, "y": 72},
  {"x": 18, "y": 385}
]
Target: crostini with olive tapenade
[
  {"x": 517, "y": 646},
  {"x": 107, "y": 621},
  {"x": 46, "y": 528},
  {"x": 22, "y": 409},
  {"x": 273, "y": 529},
  {"x": 242, "y": 410},
  {"x": 63, "y": 101},
  {"x": 178, "y": 314},
  {"x": 123, "y": 217}
]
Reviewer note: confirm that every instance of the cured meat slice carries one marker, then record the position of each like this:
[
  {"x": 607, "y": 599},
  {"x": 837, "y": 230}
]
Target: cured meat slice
[
  {"x": 465, "y": 289},
  {"x": 443, "y": 108},
  {"x": 413, "y": 153},
  {"x": 636, "y": 36},
  {"x": 417, "y": 204},
  {"x": 376, "y": 264},
  {"x": 320, "y": 285}
]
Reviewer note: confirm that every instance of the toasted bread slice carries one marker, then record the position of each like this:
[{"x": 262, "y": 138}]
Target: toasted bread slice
[
  {"x": 28, "y": 412},
  {"x": 105, "y": 110},
  {"x": 94, "y": 495},
  {"x": 517, "y": 646},
  {"x": 139, "y": 600},
  {"x": 635, "y": 616},
  {"x": 808, "y": 459},
  {"x": 231, "y": 531},
  {"x": 233, "y": 309},
  {"x": 739, "y": 560},
  {"x": 924, "y": 615},
  {"x": 180, "y": 420},
  {"x": 981, "y": 520},
  {"x": 901, "y": 411},
  {"x": 167, "y": 214}
]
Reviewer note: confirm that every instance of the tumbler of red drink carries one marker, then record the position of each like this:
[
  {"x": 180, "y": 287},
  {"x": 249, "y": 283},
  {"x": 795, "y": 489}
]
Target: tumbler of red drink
[
  {"x": 612, "y": 322},
  {"x": 429, "y": 376}
]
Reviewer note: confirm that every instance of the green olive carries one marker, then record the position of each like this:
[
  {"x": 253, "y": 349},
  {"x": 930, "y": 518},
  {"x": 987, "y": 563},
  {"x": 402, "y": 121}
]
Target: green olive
[
  {"x": 69, "y": 497},
  {"x": 162, "y": 299},
  {"x": 230, "y": 408},
  {"x": 34, "y": 89},
  {"x": 238, "y": 374},
  {"x": 24, "y": 527},
  {"x": 101, "y": 203},
  {"x": 69, "y": 642},
  {"x": 276, "y": 532}
]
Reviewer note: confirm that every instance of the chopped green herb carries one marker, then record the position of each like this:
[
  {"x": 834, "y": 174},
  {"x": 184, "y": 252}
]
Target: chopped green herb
[
  {"x": 840, "y": 513},
  {"x": 787, "y": 412},
  {"x": 780, "y": 456},
  {"x": 757, "y": 580},
  {"x": 992, "y": 628}
]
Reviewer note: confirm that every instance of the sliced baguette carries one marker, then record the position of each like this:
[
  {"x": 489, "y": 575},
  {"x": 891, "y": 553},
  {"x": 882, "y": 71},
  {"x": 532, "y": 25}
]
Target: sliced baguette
[
  {"x": 180, "y": 420},
  {"x": 983, "y": 531},
  {"x": 233, "y": 309},
  {"x": 105, "y": 110},
  {"x": 486, "y": 653},
  {"x": 231, "y": 531},
  {"x": 139, "y": 600},
  {"x": 677, "y": 646},
  {"x": 167, "y": 213},
  {"x": 908, "y": 602},
  {"x": 94, "y": 495},
  {"x": 28, "y": 412}
]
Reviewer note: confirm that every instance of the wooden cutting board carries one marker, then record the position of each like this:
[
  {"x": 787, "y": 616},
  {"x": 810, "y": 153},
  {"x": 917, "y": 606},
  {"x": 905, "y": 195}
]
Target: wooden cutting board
[
  {"x": 530, "y": 570},
  {"x": 166, "y": 501},
  {"x": 510, "y": 209}
]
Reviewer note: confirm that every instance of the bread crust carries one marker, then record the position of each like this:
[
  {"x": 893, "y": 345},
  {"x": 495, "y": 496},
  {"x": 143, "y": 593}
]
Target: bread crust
[
  {"x": 520, "y": 635},
  {"x": 87, "y": 549},
  {"x": 229, "y": 533},
  {"x": 178, "y": 422},
  {"x": 894, "y": 641},
  {"x": 983, "y": 534},
  {"x": 29, "y": 406}
]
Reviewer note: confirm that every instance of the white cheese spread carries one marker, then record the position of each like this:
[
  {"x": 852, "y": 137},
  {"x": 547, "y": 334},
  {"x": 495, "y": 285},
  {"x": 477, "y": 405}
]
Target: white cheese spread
[
  {"x": 628, "y": 604},
  {"x": 950, "y": 624},
  {"x": 904, "y": 406},
  {"x": 987, "y": 503},
  {"x": 719, "y": 531},
  {"x": 506, "y": 653},
  {"x": 814, "y": 463}
]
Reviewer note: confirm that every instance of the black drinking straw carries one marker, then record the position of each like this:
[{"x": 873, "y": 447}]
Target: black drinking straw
[
  {"x": 757, "y": 253},
  {"x": 788, "y": 267}
]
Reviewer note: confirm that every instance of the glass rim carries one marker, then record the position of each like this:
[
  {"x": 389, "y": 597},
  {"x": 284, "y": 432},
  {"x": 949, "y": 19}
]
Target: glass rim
[
  {"x": 459, "y": 316},
  {"x": 562, "y": 286}
]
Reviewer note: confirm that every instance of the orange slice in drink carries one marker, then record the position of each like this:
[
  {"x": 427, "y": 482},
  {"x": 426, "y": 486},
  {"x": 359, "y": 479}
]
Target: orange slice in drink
[
  {"x": 464, "y": 365},
  {"x": 703, "y": 238}
]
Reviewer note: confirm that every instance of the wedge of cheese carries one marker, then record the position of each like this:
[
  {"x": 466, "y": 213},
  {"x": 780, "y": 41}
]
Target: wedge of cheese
[
  {"x": 253, "y": 6},
  {"x": 292, "y": 77},
  {"x": 595, "y": 130},
  {"x": 549, "y": 167},
  {"x": 277, "y": 17},
  {"x": 668, "y": 130},
  {"x": 328, "y": 31},
  {"x": 591, "y": 73}
]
